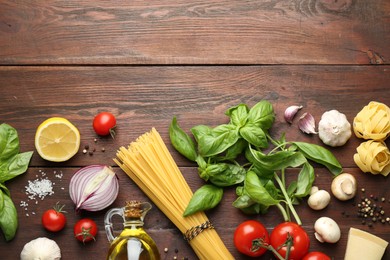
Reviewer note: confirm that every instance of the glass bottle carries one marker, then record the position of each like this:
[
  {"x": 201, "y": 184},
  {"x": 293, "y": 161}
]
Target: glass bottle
[{"x": 133, "y": 243}]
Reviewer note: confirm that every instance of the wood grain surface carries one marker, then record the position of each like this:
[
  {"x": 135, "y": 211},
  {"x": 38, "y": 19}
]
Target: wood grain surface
[
  {"x": 148, "y": 61},
  {"x": 194, "y": 32}
]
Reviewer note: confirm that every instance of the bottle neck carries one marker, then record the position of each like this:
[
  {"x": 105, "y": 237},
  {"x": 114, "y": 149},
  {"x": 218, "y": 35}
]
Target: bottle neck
[{"x": 137, "y": 223}]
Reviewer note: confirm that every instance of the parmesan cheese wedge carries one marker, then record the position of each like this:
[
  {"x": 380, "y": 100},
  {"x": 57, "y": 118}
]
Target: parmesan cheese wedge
[{"x": 363, "y": 245}]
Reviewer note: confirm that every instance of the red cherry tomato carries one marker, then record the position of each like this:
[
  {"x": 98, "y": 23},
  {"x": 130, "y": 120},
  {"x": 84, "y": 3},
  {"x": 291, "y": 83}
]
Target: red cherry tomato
[
  {"x": 85, "y": 230},
  {"x": 316, "y": 256},
  {"x": 53, "y": 219},
  {"x": 249, "y": 236},
  {"x": 289, "y": 232},
  {"x": 104, "y": 124}
]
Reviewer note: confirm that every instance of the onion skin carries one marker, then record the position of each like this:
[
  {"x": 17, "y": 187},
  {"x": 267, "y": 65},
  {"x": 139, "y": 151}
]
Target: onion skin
[{"x": 93, "y": 188}]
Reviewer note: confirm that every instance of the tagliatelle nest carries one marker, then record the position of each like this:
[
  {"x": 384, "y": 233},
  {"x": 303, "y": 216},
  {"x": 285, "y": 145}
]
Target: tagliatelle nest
[
  {"x": 373, "y": 122},
  {"x": 374, "y": 157}
]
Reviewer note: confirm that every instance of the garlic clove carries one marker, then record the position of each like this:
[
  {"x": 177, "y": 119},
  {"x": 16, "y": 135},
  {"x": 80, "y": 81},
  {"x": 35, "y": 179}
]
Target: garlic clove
[
  {"x": 307, "y": 123},
  {"x": 290, "y": 113}
]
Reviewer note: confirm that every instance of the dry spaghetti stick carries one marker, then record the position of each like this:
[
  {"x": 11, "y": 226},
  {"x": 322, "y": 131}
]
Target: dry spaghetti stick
[{"x": 149, "y": 163}]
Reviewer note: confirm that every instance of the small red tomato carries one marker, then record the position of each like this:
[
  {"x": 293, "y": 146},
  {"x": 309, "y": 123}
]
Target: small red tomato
[
  {"x": 251, "y": 238},
  {"x": 54, "y": 219},
  {"x": 316, "y": 256},
  {"x": 85, "y": 230},
  {"x": 104, "y": 124},
  {"x": 290, "y": 236}
]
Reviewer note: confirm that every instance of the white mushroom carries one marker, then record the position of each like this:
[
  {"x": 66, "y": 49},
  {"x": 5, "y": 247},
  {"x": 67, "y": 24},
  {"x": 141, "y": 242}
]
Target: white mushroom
[
  {"x": 344, "y": 186},
  {"x": 41, "y": 248},
  {"x": 318, "y": 199},
  {"x": 327, "y": 230}
]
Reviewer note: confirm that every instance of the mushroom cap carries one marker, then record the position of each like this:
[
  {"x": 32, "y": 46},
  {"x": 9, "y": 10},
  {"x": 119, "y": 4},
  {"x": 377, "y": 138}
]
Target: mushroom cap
[
  {"x": 319, "y": 200},
  {"x": 344, "y": 186},
  {"x": 41, "y": 248},
  {"x": 327, "y": 230}
]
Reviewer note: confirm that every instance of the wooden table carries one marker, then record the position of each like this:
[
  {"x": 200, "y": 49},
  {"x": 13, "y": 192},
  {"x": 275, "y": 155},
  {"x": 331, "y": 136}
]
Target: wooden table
[{"x": 147, "y": 61}]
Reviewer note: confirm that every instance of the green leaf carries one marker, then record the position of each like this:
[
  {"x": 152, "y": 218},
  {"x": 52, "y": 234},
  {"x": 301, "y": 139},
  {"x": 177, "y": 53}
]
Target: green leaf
[
  {"x": 278, "y": 160},
  {"x": 320, "y": 155},
  {"x": 254, "y": 135},
  {"x": 256, "y": 191},
  {"x": 8, "y": 219},
  {"x": 1, "y": 200},
  {"x": 206, "y": 197},
  {"x": 262, "y": 115},
  {"x": 235, "y": 150},
  {"x": 15, "y": 166},
  {"x": 4, "y": 189},
  {"x": 231, "y": 175},
  {"x": 181, "y": 141},
  {"x": 216, "y": 141},
  {"x": 305, "y": 181},
  {"x": 238, "y": 114},
  {"x": 9, "y": 142}
]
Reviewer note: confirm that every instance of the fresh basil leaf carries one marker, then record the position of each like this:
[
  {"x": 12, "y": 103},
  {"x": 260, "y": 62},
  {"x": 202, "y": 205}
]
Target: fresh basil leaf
[
  {"x": 256, "y": 191},
  {"x": 8, "y": 219},
  {"x": 4, "y": 189},
  {"x": 201, "y": 130},
  {"x": 201, "y": 162},
  {"x": 216, "y": 141},
  {"x": 262, "y": 114},
  {"x": 254, "y": 135},
  {"x": 320, "y": 155},
  {"x": 212, "y": 169},
  {"x": 9, "y": 142},
  {"x": 235, "y": 150},
  {"x": 15, "y": 166},
  {"x": 278, "y": 160},
  {"x": 238, "y": 114},
  {"x": 232, "y": 175},
  {"x": 305, "y": 181},
  {"x": 206, "y": 197},
  {"x": 1, "y": 200},
  {"x": 181, "y": 141},
  {"x": 243, "y": 201}
]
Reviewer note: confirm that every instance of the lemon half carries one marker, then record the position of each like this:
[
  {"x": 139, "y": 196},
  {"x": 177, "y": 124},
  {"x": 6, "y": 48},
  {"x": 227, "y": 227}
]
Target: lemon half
[{"x": 57, "y": 139}]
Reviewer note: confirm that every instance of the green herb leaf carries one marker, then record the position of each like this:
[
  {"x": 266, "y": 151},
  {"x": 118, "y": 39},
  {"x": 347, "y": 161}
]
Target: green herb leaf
[
  {"x": 262, "y": 114},
  {"x": 8, "y": 219},
  {"x": 235, "y": 150},
  {"x": 216, "y": 141},
  {"x": 15, "y": 166},
  {"x": 320, "y": 155},
  {"x": 254, "y": 135},
  {"x": 305, "y": 181},
  {"x": 231, "y": 175},
  {"x": 1, "y": 200},
  {"x": 9, "y": 142},
  {"x": 206, "y": 197},
  {"x": 278, "y": 160},
  {"x": 181, "y": 141},
  {"x": 238, "y": 114},
  {"x": 256, "y": 191}
]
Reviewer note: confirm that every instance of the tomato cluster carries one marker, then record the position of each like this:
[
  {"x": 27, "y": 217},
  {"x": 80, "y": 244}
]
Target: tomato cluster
[{"x": 252, "y": 238}]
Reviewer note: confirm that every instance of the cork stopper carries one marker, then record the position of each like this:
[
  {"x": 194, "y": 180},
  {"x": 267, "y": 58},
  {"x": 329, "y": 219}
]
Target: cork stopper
[{"x": 133, "y": 209}]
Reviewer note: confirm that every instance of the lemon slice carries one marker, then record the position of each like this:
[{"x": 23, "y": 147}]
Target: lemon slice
[{"x": 57, "y": 139}]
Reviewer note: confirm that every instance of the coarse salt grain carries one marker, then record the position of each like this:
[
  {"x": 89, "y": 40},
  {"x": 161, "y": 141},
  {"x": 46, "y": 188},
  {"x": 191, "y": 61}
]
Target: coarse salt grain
[{"x": 39, "y": 188}]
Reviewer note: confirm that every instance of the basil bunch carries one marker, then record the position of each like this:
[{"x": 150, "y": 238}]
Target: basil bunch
[
  {"x": 12, "y": 164},
  {"x": 260, "y": 178}
]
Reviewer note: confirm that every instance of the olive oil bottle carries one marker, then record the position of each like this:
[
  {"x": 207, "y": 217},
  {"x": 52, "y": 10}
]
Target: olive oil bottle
[{"x": 133, "y": 243}]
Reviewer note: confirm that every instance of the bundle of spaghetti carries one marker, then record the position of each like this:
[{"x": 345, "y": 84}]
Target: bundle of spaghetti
[{"x": 149, "y": 164}]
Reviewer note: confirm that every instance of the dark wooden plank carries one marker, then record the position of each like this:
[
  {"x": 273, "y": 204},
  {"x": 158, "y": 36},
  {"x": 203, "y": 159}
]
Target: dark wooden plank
[
  {"x": 145, "y": 97},
  {"x": 196, "y": 32}
]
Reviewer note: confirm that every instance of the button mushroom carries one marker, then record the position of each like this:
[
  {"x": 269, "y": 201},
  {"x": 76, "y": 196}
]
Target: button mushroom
[
  {"x": 318, "y": 199},
  {"x": 327, "y": 230},
  {"x": 41, "y": 248},
  {"x": 344, "y": 186}
]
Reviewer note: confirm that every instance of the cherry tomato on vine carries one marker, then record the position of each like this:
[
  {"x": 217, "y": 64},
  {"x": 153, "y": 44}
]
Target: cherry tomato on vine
[
  {"x": 316, "y": 256},
  {"x": 290, "y": 236},
  {"x": 54, "y": 219},
  {"x": 251, "y": 238},
  {"x": 104, "y": 123},
  {"x": 85, "y": 230}
]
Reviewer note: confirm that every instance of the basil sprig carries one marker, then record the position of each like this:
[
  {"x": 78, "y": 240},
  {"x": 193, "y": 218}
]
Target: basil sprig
[
  {"x": 12, "y": 164},
  {"x": 260, "y": 178}
]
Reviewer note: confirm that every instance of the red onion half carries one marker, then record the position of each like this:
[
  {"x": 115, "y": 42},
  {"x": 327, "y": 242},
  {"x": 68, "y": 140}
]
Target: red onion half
[{"x": 94, "y": 187}]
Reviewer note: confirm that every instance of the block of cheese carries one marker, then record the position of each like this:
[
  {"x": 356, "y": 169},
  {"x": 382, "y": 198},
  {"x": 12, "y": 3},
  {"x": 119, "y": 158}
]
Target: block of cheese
[{"x": 363, "y": 245}]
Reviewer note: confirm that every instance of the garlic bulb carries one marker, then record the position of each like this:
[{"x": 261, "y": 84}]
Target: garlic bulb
[
  {"x": 334, "y": 128},
  {"x": 41, "y": 248}
]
